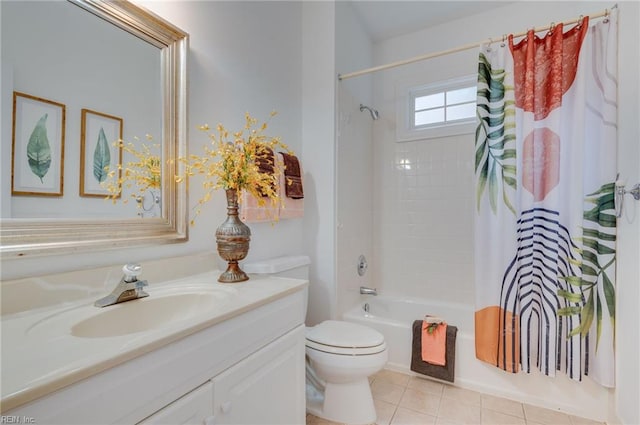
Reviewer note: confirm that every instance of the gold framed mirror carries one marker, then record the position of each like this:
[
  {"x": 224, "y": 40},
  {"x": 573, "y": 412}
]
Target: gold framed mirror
[{"x": 20, "y": 237}]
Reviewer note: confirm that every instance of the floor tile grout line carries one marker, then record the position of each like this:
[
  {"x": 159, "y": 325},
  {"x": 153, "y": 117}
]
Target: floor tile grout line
[
  {"x": 439, "y": 404},
  {"x": 398, "y": 405}
]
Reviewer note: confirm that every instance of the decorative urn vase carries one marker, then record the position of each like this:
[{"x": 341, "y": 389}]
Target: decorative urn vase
[{"x": 232, "y": 238}]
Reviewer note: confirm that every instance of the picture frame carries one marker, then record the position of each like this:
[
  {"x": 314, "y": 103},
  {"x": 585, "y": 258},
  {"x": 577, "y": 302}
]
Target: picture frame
[
  {"x": 99, "y": 152},
  {"x": 37, "y": 146}
]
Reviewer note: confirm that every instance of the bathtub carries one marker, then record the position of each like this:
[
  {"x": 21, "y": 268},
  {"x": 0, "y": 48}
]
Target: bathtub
[{"x": 393, "y": 317}]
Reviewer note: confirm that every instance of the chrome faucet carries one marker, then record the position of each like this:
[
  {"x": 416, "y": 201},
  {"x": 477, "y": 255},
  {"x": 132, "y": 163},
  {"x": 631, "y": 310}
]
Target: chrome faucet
[
  {"x": 129, "y": 288},
  {"x": 368, "y": 291}
]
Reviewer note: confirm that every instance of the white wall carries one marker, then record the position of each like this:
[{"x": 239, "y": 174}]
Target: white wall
[
  {"x": 244, "y": 57},
  {"x": 423, "y": 217},
  {"x": 354, "y": 159},
  {"x": 318, "y": 134}
]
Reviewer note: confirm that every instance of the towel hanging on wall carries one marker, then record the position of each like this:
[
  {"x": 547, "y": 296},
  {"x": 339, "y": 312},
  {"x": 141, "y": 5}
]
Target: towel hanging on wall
[
  {"x": 291, "y": 207},
  {"x": 293, "y": 177}
]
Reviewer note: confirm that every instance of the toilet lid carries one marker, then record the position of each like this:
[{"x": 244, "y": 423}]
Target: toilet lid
[{"x": 335, "y": 333}]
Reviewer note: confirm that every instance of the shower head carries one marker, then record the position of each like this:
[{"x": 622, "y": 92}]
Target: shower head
[{"x": 374, "y": 113}]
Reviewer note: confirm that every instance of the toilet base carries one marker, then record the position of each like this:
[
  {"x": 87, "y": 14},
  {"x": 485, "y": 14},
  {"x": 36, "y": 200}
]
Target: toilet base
[{"x": 349, "y": 403}]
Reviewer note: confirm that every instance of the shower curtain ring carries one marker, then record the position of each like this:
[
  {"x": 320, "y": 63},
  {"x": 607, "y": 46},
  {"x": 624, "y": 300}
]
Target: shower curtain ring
[
  {"x": 489, "y": 44},
  {"x": 606, "y": 16},
  {"x": 504, "y": 38},
  {"x": 552, "y": 27}
]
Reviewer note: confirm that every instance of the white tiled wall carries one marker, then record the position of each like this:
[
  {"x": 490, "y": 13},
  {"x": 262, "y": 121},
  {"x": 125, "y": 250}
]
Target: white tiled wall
[{"x": 425, "y": 233}]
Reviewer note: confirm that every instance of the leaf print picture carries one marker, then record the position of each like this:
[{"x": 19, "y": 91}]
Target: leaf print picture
[
  {"x": 100, "y": 151},
  {"x": 37, "y": 155},
  {"x": 101, "y": 158},
  {"x": 39, "y": 150}
]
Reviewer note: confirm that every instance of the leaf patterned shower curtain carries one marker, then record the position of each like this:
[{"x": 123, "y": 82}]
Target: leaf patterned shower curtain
[{"x": 545, "y": 164}]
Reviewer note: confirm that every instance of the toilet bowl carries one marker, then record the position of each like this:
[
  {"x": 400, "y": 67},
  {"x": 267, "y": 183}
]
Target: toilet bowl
[{"x": 340, "y": 357}]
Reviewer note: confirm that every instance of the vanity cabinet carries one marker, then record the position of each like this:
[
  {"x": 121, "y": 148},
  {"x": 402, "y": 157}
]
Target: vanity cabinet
[
  {"x": 265, "y": 388},
  {"x": 246, "y": 367},
  {"x": 194, "y": 408}
]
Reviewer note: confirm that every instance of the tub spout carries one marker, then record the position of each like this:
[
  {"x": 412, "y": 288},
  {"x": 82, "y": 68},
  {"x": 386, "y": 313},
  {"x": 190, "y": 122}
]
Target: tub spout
[{"x": 368, "y": 291}]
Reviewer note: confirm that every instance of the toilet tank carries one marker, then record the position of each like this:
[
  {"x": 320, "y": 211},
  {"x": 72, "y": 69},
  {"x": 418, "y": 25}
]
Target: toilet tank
[{"x": 294, "y": 266}]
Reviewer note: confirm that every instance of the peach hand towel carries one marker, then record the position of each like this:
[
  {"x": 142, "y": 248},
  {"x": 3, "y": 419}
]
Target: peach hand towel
[
  {"x": 252, "y": 212},
  {"x": 434, "y": 343}
]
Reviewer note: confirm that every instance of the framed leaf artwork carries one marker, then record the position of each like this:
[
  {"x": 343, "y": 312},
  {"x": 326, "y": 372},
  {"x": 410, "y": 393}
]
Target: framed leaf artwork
[
  {"x": 37, "y": 154},
  {"x": 100, "y": 152}
]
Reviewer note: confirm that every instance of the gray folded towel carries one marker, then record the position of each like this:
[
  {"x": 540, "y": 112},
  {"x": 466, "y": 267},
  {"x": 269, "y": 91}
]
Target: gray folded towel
[{"x": 446, "y": 372}]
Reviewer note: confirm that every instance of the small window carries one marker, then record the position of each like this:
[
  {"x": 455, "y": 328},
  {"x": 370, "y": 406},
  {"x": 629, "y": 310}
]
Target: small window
[
  {"x": 437, "y": 110},
  {"x": 444, "y": 106}
]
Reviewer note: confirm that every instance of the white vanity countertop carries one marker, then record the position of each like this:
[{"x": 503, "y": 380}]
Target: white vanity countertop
[{"x": 40, "y": 354}]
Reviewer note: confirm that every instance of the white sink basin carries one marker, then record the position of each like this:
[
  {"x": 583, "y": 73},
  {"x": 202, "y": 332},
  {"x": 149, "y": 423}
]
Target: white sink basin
[
  {"x": 146, "y": 314},
  {"x": 163, "y": 307}
]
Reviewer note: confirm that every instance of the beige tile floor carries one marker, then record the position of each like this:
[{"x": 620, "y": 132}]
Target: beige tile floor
[{"x": 410, "y": 400}]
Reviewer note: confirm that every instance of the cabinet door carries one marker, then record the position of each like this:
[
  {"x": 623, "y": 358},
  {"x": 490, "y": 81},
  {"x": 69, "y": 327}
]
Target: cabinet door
[
  {"x": 266, "y": 387},
  {"x": 194, "y": 408}
]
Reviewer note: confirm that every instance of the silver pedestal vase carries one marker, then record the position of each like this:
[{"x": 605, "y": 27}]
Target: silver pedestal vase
[{"x": 232, "y": 238}]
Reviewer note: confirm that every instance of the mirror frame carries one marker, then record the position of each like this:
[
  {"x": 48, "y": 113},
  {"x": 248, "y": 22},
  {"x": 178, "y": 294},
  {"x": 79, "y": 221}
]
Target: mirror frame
[{"x": 30, "y": 237}]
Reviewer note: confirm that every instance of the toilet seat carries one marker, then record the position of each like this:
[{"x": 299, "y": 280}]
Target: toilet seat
[
  {"x": 346, "y": 351},
  {"x": 345, "y": 338}
]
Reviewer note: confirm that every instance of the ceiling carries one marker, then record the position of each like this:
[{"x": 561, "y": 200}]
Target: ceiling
[{"x": 386, "y": 19}]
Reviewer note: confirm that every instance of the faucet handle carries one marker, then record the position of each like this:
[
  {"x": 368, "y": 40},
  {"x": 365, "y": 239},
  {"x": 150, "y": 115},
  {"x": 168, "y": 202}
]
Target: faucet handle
[
  {"x": 141, "y": 284},
  {"x": 131, "y": 272}
]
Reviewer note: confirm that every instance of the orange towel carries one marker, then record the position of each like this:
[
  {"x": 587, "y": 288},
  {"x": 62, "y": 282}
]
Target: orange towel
[{"x": 434, "y": 342}]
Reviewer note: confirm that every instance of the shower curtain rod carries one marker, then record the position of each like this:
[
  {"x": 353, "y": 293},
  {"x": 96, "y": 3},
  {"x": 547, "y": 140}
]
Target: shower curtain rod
[{"x": 341, "y": 77}]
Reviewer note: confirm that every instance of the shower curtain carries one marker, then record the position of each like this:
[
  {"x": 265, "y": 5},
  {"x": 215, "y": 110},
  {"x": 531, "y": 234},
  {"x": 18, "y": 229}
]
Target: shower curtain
[{"x": 545, "y": 228}]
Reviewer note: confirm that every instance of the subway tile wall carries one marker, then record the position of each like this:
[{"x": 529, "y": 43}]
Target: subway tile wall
[{"x": 424, "y": 203}]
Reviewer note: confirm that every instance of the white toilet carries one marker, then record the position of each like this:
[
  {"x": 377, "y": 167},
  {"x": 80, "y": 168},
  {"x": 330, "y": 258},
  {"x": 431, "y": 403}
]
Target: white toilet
[{"x": 340, "y": 356}]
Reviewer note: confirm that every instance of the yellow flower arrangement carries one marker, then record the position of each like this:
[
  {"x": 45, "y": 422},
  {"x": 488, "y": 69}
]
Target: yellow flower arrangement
[
  {"x": 144, "y": 172},
  {"x": 232, "y": 161}
]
